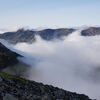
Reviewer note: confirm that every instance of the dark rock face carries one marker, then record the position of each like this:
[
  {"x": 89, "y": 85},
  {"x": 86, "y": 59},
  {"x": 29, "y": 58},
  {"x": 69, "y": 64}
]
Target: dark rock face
[
  {"x": 49, "y": 34},
  {"x": 21, "y": 89},
  {"x": 7, "y": 57},
  {"x": 29, "y": 35},
  {"x": 92, "y": 31}
]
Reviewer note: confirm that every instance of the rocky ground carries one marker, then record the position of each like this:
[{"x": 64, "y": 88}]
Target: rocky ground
[{"x": 16, "y": 88}]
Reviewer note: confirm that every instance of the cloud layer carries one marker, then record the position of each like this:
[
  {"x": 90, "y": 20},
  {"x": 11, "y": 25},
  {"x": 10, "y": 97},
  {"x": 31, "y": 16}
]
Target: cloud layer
[{"x": 72, "y": 64}]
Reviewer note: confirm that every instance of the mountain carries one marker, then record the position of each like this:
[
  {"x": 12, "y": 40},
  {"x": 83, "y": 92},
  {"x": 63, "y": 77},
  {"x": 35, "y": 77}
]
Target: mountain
[
  {"x": 7, "y": 57},
  {"x": 91, "y": 31},
  {"x": 16, "y": 88},
  {"x": 22, "y": 35}
]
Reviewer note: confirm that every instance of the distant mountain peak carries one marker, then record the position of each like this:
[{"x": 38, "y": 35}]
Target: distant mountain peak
[
  {"x": 22, "y": 35},
  {"x": 29, "y": 35}
]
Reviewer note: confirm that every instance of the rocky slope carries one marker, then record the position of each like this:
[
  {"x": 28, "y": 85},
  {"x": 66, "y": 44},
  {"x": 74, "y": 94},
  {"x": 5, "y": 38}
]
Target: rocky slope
[
  {"x": 29, "y": 35},
  {"x": 15, "y": 88},
  {"x": 91, "y": 31},
  {"x": 7, "y": 57}
]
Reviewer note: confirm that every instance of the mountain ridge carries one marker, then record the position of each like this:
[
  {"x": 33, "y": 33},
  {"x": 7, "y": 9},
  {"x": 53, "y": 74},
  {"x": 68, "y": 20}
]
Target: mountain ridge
[
  {"x": 22, "y": 35},
  {"x": 29, "y": 36}
]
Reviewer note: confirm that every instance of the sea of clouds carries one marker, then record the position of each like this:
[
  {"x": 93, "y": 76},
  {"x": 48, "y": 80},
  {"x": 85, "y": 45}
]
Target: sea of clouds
[{"x": 72, "y": 64}]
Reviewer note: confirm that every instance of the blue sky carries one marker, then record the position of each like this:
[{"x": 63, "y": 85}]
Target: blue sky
[{"x": 49, "y": 13}]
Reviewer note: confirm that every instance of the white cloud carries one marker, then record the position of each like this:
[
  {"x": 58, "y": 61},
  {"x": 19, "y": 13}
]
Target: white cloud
[{"x": 72, "y": 64}]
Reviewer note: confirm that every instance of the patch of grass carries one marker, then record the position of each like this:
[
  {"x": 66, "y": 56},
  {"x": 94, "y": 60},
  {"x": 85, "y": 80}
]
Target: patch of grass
[{"x": 13, "y": 77}]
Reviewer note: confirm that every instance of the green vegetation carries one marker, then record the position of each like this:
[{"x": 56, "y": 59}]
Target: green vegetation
[{"x": 13, "y": 77}]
